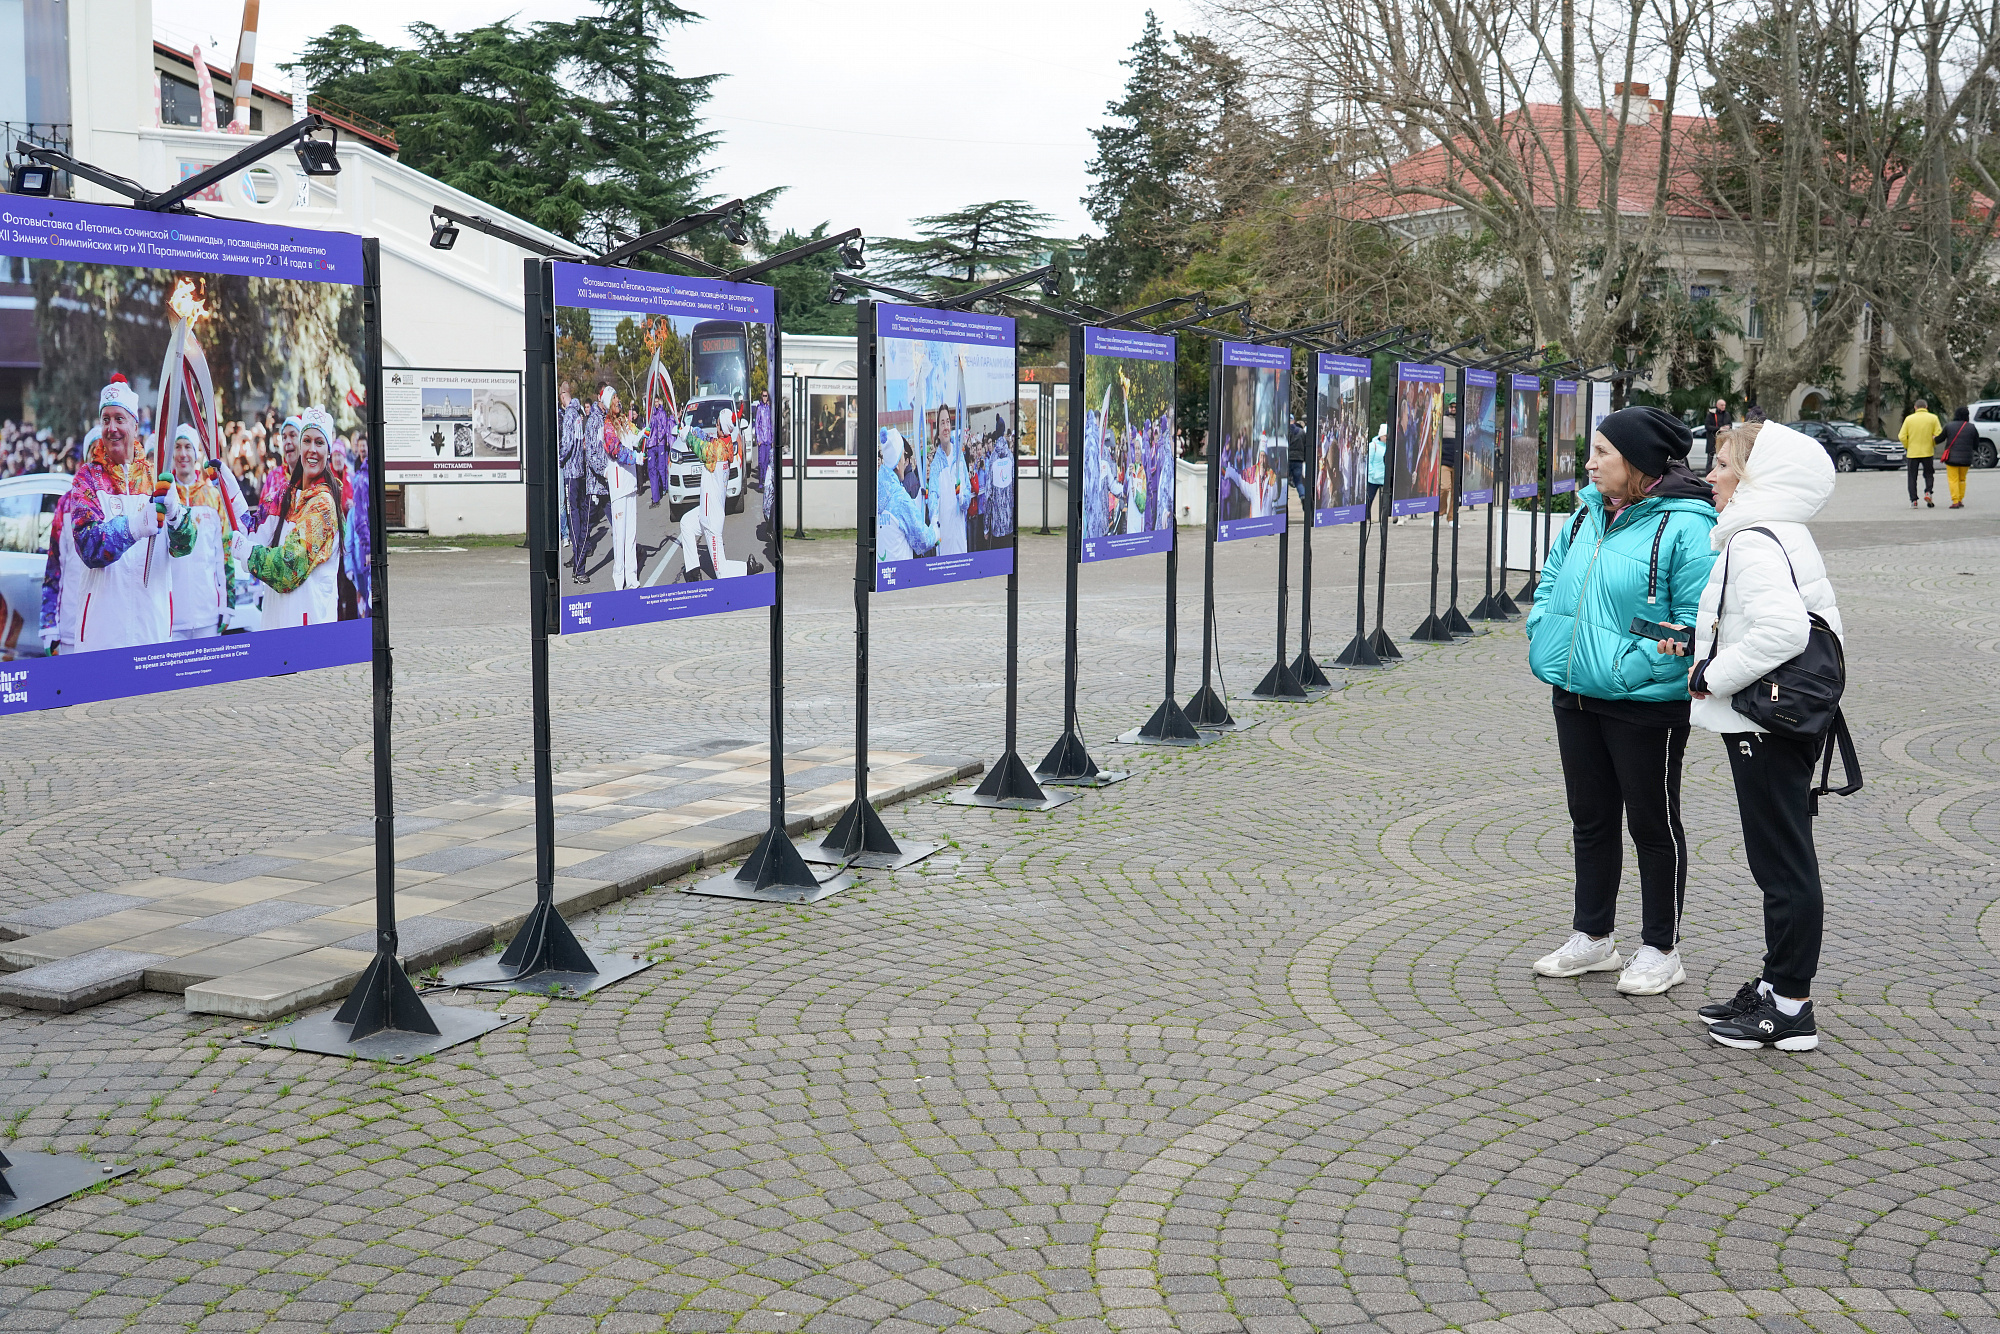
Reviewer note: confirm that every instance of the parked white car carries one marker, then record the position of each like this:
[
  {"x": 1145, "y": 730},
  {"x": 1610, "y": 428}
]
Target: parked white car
[
  {"x": 1986, "y": 419},
  {"x": 27, "y": 508}
]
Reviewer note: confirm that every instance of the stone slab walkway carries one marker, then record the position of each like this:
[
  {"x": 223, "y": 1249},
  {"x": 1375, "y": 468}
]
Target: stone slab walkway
[{"x": 268, "y": 933}]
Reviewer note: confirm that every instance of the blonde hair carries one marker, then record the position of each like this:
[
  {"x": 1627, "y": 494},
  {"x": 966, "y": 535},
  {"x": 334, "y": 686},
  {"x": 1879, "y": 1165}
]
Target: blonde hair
[{"x": 1741, "y": 440}]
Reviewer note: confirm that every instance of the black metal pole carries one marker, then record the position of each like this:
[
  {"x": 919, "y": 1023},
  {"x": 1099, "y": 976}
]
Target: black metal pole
[
  {"x": 1069, "y": 760},
  {"x": 801, "y": 422},
  {"x": 1385, "y": 647},
  {"x": 1309, "y": 673},
  {"x": 1454, "y": 619},
  {"x": 1207, "y": 709},
  {"x": 860, "y": 828},
  {"x": 1433, "y": 630},
  {"x": 1504, "y": 607},
  {"x": 1045, "y": 443},
  {"x": 383, "y": 999}
]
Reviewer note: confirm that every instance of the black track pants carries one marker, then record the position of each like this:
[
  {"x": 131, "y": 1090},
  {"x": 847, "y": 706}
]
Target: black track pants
[
  {"x": 1613, "y": 768},
  {"x": 1773, "y": 785},
  {"x": 1911, "y": 466}
]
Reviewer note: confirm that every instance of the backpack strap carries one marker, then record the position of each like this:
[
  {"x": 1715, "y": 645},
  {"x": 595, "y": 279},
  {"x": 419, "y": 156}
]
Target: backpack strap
[
  {"x": 1850, "y": 764},
  {"x": 1576, "y": 525}
]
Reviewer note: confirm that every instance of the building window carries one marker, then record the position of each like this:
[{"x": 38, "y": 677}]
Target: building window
[
  {"x": 180, "y": 104},
  {"x": 1753, "y": 320},
  {"x": 1700, "y": 292}
]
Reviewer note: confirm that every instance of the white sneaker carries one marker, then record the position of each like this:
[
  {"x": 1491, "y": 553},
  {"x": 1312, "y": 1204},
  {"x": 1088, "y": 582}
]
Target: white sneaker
[
  {"x": 1580, "y": 954},
  {"x": 1650, "y": 973}
]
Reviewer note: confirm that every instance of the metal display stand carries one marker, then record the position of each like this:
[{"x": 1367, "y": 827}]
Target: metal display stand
[
  {"x": 1068, "y": 763},
  {"x": 383, "y": 1018},
  {"x": 30, "y": 1181},
  {"x": 1206, "y": 708},
  {"x": 1305, "y": 668}
]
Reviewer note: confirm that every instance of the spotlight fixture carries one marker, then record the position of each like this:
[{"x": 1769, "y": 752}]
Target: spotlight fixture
[
  {"x": 444, "y": 233},
  {"x": 852, "y": 254},
  {"x": 734, "y": 231},
  {"x": 836, "y": 291},
  {"x": 319, "y": 157},
  {"x": 1051, "y": 283},
  {"x": 32, "y": 178}
]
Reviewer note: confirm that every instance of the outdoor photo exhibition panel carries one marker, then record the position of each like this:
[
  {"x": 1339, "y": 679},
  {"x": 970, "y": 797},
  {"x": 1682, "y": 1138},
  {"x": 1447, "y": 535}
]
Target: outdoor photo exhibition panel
[
  {"x": 1416, "y": 445},
  {"x": 1524, "y": 408},
  {"x": 201, "y": 507},
  {"x": 450, "y": 425},
  {"x": 1249, "y": 454},
  {"x": 832, "y": 424},
  {"x": 664, "y": 441},
  {"x": 1600, "y": 408},
  {"x": 1128, "y": 443},
  {"x": 1479, "y": 420},
  {"x": 1340, "y": 467},
  {"x": 1562, "y": 451},
  {"x": 945, "y": 395}
]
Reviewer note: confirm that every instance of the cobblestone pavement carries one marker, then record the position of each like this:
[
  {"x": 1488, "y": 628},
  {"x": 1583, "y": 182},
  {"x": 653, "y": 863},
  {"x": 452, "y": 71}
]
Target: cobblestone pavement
[{"x": 1246, "y": 1043}]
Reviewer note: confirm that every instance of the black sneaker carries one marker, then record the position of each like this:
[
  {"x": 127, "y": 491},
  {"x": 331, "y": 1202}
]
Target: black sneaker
[
  {"x": 1768, "y": 1026},
  {"x": 1744, "y": 1001}
]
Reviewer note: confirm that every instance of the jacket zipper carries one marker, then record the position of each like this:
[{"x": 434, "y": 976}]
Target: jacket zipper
[{"x": 1576, "y": 620}]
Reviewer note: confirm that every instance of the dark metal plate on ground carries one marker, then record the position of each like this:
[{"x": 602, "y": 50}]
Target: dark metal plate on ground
[
  {"x": 913, "y": 851},
  {"x": 727, "y": 886},
  {"x": 323, "y": 1034},
  {"x": 1132, "y": 738},
  {"x": 40, "y": 1179},
  {"x": 1051, "y": 800},
  {"x": 490, "y": 975},
  {"x": 1102, "y": 778}
]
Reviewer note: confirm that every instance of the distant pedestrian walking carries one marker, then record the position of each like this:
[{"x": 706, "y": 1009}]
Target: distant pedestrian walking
[
  {"x": 1920, "y": 436},
  {"x": 1961, "y": 441},
  {"x": 1719, "y": 421}
]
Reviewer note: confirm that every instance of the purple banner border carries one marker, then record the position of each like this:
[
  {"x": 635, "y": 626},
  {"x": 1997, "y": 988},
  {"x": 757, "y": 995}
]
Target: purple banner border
[
  {"x": 1477, "y": 497},
  {"x": 1415, "y": 505},
  {"x": 1127, "y": 344},
  {"x": 63, "y": 229},
  {"x": 1261, "y": 355},
  {"x": 619, "y": 607},
  {"x": 1235, "y": 530},
  {"x": 1329, "y": 364},
  {"x": 1128, "y": 544},
  {"x": 924, "y": 325},
  {"x": 924, "y": 571},
  {"x": 29, "y": 684},
  {"x": 593, "y": 287},
  {"x": 1338, "y": 514}
]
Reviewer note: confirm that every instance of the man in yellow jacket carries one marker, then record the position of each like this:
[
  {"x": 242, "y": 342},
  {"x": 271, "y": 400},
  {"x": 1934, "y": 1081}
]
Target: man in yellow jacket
[{"x": 1920, "y": 436}]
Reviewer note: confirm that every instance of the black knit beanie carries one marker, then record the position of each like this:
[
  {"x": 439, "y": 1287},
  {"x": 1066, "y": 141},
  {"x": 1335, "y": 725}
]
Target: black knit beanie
[{"x": 1647, "y": 437}]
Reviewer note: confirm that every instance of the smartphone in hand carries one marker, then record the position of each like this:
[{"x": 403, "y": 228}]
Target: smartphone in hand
[{"x": 1653, "y": 630}]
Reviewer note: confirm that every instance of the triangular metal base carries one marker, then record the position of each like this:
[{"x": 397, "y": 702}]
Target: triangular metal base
[
  {"x": 1067, "y": 761},
  {"x": 546, "y": 958},
  {"x": 1281, "y": 683},
  {"x": 545, "y": 941},
  {"x": 841, "y": 843},
  {"x": 1506, "y": 605},
  {"x": 1385, "y": 647},
  {"x": 1432, "y": 631},
  {"x": 1458, "y": 625},
  {"x": 1206, "y": 709},
  {"x": 383, "y": 1000},
  {"x": 1009, "y": 780},
  {"x": 1527, "y": 593},
  {"x": 1490, "y": 609},
  {"x": 1311, "y": 675},
  {"x": 1169, "y": 724},
  {"x": 1357, "y": 654}
]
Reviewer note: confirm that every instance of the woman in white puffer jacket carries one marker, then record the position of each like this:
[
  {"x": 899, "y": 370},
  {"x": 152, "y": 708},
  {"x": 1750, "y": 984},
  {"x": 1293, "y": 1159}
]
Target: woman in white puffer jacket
[{"x": 1775, "y": 479}]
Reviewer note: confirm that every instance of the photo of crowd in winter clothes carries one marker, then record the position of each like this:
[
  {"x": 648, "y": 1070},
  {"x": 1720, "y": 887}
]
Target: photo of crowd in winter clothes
[
  {"x": 1128, "y": 444},
  {"x": 196, "y": 464}
]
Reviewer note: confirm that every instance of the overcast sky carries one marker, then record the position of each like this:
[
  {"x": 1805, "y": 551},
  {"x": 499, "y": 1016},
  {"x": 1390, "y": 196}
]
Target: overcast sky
[{"x": 872, "y": 113}]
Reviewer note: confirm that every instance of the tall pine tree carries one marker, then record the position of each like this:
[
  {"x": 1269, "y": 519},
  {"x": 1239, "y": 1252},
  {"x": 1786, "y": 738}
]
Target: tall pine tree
[
  {"x": 954, "y": 252},
  {"x": 1132, "y": 195}
]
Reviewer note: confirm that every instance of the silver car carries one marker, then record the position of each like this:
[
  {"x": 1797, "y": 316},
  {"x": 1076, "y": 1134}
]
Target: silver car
[{"x": 27, "y": 509}]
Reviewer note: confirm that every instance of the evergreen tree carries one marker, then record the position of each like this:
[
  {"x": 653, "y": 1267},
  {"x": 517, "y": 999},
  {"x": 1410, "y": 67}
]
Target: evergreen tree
[
  {"x": 802, "y": 288},
  {"x": 955, "y": 252},
  {"x": 1131, "y": 195}
]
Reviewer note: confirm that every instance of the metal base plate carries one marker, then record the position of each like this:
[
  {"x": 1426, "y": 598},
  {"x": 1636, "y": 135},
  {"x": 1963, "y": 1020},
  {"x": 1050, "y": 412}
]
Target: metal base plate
[
  {"x": 1132, "y": 738},
  {"x": 320, "y": 1033},
  {"x": 1051, "y": 800},
  {"x": 491, "y": 975},
  {"x": 1102, "y": 778},
  {"x": 727, "y": 886},
  {"x": 1233, "y": 725},
  {"x": 1311, "y": 692},
  {"x": 43, "y": 1178},
  {"x": 913, "y": 851}
]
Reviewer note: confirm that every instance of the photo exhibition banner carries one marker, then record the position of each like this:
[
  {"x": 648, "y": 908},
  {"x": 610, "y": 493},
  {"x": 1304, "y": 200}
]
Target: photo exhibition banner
[
  {"x": 1340, "y": 458},
  {"x": 1600, "y": 408},
  {"x": 1249, "y": 455},
  {"x": 450, "y": 425},
  {"x": 1479, "y": 419},
  {"x": 191, "y": 504},
  {"x": 945, "y": 398},
  {"x": 1128, "y": 443},
  {"x": 1416, "y": 450},
  {"x": 1562, "y": 452},
  {"x": 1524, "y": 450},
  {"x": 664, "y": 446}
]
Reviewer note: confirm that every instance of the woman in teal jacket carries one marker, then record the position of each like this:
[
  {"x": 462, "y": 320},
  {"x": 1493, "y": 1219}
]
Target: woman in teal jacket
[{"x": 1637, "y": 546}]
